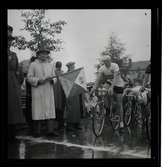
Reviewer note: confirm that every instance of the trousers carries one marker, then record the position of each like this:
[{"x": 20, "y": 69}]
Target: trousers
[{"x": 49, "y": 126}]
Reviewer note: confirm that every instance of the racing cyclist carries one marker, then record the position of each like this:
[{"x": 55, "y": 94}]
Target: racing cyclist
[{"x": 114, "y": 82}]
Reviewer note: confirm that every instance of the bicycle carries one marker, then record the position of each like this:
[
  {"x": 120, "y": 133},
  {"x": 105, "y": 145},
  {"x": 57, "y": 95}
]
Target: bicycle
[
  {"x": 128, "y": 108},
  {"x": 99, "y": 113}
]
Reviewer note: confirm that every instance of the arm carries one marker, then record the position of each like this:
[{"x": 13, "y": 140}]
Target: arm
[
  {"x": 30, "y": 76},
  {"x": 97, "y": 80},
  {"x": 146, "y": 78}
]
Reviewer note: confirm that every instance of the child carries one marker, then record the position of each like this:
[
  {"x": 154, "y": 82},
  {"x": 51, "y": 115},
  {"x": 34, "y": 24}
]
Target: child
[{"x": 90, "y": 101}]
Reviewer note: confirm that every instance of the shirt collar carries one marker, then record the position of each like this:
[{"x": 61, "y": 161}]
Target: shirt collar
[{"x": 42, "y": 61}]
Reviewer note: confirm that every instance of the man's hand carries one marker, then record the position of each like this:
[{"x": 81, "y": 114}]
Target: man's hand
[
  {"x": 142, "y": 89},
  {"x": 110, "y": 91},
  {"x": 41, "y": 81},
  {"x": 93, "y": 90},
  {"x": 48, "y": 78}
]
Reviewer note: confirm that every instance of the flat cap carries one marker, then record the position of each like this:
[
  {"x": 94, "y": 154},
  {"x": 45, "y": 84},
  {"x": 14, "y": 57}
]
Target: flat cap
[{"x": 70, "y": 63}]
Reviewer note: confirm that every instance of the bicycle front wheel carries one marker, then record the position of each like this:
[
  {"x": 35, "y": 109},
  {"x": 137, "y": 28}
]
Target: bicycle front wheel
[
  {"x": 114, "y": 115},
  {"x": 148, "y": 123},
  {"x": 127, "y": 113},
  {"x": 98, "y": 118},
  {"x": 138, "y": 113}
]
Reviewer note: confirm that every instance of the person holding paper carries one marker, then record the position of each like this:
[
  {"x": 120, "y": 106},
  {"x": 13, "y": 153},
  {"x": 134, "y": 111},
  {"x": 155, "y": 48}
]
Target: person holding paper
[{"x": 43, "y": 107}]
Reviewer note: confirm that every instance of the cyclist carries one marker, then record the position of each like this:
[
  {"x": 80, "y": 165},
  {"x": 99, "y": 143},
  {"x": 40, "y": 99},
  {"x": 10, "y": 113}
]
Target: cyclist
[{"x": 114, "y": 83}]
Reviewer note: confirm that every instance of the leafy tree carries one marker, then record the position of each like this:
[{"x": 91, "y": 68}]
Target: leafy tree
[
  {"x": 116, "y": 50},
  {"x": 41, "y": 30}
]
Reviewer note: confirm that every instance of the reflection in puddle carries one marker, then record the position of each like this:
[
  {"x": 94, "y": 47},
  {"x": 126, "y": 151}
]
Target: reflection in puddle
[{"x": 22, "y": 147}]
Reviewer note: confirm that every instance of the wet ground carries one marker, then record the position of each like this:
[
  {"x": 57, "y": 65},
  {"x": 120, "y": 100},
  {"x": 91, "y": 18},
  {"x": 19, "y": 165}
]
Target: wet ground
[{"x": 83, "y": 144}]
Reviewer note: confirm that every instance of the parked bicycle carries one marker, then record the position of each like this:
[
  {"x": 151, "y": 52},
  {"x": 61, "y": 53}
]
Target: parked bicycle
[
  {"x": 129, "y": 108},
  {"x": 99, "y": 113}
]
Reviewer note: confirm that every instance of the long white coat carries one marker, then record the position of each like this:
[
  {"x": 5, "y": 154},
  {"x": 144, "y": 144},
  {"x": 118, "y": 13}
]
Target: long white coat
[{"x": 43, "y": 106}]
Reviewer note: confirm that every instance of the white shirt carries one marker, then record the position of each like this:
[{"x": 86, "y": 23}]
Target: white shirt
[{"x": 109, "y": 74}]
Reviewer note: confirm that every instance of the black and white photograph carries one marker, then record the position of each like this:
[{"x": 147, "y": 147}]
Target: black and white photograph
[{"x": 79, "y": 84}]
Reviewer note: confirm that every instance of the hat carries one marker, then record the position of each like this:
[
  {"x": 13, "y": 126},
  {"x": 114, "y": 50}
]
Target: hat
[
  {"x": 106, "y": 57},
  {"x": 10, "y": 30},
  {"x": 70, "y": 63},
  {"x": 42, "y": 49}
]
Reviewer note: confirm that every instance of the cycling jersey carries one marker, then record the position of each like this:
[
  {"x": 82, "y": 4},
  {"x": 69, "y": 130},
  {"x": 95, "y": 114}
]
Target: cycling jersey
[{"x": 109, "y": 74}]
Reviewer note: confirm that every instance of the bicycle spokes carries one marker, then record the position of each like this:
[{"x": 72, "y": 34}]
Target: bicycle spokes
[{"x": 98, "y": 119}]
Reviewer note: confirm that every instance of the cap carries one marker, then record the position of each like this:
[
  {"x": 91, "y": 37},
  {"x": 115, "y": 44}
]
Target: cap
[
  {"x": 70, "y": 63},
  {"x": 106, "y": 58}
]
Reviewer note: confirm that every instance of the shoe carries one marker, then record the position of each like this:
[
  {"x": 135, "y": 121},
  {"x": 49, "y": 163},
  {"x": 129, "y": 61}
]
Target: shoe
[
  {"x": 53, "y": 134},
  {"x": 36, "y": 135},
  {"x": 71, "y": 129},
  {"x": 122, "y": 130}
]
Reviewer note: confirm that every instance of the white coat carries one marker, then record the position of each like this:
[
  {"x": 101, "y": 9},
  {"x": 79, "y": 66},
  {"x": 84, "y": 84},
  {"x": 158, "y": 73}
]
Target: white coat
[{"x": 43, "y": 106}]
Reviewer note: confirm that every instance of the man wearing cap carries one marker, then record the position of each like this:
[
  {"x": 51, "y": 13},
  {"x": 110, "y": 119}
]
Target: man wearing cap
[
  {"x": 15, "y": 112},
  {"x": 60, "y": 98},
  {"x": 43, "y": 107},
  {"x": 72, "y": 107},
  {"x": 114, "y": 83}
]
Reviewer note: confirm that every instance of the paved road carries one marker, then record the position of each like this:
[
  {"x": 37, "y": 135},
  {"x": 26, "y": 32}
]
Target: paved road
[{"x": 83, "y": 144}]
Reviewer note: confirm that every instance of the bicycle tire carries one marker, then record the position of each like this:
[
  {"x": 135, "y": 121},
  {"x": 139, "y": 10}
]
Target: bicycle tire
[
  {"x": 148, "y": 123},
  {"x": 127, "y": 114},
  {"x": 98, "y": 119},
  {"x": 138, "y": 113},
  {"x": 114, "y": 115}
]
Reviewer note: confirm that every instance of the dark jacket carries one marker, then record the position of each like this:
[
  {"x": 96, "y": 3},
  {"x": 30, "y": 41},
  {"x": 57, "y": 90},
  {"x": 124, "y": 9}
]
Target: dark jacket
[
  {"x": 15, "y": 111},
  {"x": 59, "y": 94}
]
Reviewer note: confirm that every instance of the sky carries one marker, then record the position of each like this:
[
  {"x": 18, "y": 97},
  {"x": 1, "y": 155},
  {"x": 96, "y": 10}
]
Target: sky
[{"x": 86, "y": 34}]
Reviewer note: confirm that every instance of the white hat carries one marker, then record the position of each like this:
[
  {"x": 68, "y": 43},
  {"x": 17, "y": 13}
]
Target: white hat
[{"x": 106, "y": 57}]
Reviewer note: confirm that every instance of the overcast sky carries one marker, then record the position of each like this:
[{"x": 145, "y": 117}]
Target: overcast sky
[{"x": 86, "y": 35}]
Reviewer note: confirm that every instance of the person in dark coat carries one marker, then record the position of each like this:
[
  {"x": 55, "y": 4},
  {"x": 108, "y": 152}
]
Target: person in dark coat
[
  {"x": 73, "y": 116},
  {"x": 60, "y": 98},
  {"x": 15, "y": 111}
]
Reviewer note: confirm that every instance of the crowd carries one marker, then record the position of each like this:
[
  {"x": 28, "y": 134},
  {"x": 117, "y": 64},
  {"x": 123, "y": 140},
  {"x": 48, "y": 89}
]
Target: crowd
[{"x": 45, "y": 97}]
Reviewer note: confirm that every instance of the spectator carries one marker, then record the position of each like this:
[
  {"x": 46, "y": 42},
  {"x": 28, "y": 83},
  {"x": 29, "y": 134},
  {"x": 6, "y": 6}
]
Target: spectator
[
  {"x": 29, "y": 98},
  {"x": 60, "y": 99},
  {"x": 15, "y": 111},
  {"x": 73, "y": 116},
  {"x": 43, "y": 107}
]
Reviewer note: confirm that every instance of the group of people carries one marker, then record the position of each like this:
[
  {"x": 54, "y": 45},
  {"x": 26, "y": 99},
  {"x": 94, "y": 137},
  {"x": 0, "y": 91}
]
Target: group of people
[{"x": 45, "y": 96}]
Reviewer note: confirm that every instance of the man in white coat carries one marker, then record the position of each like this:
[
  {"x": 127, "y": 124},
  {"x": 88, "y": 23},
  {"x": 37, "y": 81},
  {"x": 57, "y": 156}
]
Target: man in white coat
[{"x": 43, "y": 107}]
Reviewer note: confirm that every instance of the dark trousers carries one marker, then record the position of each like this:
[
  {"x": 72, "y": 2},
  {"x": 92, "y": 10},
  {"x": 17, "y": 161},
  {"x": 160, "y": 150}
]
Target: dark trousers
[
  {"x": 59, "y": 118},
  {"x": 49, "y": 126}
]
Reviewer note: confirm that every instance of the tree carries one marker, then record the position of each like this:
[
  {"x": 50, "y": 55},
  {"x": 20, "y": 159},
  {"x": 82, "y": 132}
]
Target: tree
[
  {"x": 116, "y": 50},
  {"x": 41, "y": 30}
]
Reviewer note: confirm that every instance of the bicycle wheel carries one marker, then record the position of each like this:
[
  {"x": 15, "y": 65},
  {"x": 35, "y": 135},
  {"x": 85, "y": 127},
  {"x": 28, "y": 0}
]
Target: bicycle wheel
[
  {"x": 138, "y": 113},
  {"x": 127, "y": 113},
  {"x": 98, "y": 118},
  {"x": 148, "y": 123},
  {"x": 114, "y": 115}
]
